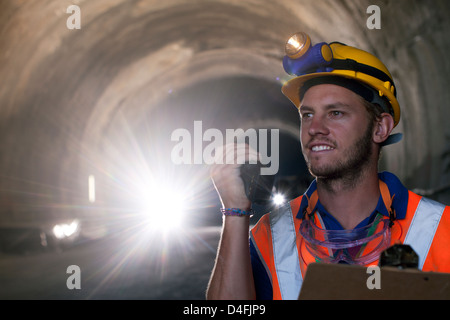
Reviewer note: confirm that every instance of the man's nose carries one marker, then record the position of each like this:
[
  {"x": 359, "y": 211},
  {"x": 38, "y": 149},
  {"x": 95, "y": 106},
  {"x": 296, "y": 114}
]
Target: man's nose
[{"x": 317, "y": 126}]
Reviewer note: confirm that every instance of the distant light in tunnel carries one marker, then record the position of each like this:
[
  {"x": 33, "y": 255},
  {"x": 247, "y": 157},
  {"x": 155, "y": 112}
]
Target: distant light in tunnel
[
  {"x": 278, "y": 199},
  {"x": 65, "y": 230},
  {"x": 91, "y": 187}
]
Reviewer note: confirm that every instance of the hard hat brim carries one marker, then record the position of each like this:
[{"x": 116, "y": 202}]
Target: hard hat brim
[{"x": 291, "y": 88}]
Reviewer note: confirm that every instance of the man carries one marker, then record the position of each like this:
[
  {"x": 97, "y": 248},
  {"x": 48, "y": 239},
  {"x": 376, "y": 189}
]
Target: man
[{"x": 350, "y": 213}]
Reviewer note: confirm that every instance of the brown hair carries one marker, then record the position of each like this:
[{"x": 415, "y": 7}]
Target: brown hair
[{"x": 374, "y": 110}]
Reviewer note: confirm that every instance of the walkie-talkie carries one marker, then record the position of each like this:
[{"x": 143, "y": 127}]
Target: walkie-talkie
[{"x": 258, "y": 188}]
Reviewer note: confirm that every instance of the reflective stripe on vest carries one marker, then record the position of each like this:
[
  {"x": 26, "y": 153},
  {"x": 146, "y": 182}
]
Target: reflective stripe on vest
[
  {"x": 423, "y": 227},
  {"x": 287, "y": 263}
]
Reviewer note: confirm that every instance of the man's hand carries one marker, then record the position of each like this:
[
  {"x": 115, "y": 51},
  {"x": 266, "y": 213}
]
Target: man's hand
[{"x": 227, "y": 176}]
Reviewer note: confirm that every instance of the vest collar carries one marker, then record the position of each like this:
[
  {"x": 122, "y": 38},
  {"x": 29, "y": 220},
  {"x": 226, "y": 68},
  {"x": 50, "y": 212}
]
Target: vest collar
[{"x": 396, "y": 189}]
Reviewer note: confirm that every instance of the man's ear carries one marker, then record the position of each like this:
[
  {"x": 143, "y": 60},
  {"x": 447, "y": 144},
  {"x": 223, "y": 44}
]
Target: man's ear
[{"x": 383, "y": 127}]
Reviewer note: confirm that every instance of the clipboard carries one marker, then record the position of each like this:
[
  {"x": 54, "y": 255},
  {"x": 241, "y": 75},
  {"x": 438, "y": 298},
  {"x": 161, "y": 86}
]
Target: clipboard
[{"x": 348, "y": 282}]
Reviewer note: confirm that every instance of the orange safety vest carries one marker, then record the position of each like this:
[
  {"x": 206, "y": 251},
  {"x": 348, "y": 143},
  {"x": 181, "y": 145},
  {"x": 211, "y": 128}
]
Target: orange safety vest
[{"x": 426, "y": 228}]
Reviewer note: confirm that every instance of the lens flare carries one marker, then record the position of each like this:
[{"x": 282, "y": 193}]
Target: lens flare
[
  {"x": 163, "y": 208},
  {"x": 279, "y": 199}
]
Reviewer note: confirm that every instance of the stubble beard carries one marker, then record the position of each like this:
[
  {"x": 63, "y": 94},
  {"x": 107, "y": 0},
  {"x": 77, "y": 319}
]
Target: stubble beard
[{"x": 349, "y": 170}]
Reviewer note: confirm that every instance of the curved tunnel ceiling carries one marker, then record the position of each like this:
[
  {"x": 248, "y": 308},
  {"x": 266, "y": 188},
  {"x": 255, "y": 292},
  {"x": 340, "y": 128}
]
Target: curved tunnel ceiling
[{"x": 91, "y": 101}]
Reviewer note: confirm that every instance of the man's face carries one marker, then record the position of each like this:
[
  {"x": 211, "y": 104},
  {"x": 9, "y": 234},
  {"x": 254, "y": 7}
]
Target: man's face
[{"x": 336, "y": 133}]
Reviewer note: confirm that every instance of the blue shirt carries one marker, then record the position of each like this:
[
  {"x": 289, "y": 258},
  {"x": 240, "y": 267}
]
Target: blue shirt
[{"x": 263, "y": 284}]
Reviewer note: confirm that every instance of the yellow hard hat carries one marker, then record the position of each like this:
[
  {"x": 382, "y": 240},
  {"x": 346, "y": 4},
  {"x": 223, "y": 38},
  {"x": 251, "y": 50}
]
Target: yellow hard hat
[{"x": 340, "y": 60}]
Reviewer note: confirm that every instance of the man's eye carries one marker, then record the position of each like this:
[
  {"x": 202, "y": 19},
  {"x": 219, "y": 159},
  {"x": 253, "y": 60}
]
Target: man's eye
[
  {"x": 336, "y": 113},
  {"x": 307, "y": 115}
]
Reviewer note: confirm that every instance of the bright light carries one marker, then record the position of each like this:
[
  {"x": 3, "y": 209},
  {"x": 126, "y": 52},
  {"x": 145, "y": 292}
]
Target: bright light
[
  {"x": 164, "y": 208},
  {"x": 278, "y": 199},
  {"x": 91, "y": 185},
  {"x": 65, "y": 230}
]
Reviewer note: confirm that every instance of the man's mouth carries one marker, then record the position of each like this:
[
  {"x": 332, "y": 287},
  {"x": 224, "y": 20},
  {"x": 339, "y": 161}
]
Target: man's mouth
[{"x": 318, "y": 148}]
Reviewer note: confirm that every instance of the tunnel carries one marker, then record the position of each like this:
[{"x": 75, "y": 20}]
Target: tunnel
[{"x": 102, "y": 100}]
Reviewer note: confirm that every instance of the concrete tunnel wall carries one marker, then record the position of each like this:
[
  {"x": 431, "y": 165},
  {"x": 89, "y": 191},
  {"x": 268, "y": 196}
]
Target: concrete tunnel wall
[{"x": 97, "y": 99}]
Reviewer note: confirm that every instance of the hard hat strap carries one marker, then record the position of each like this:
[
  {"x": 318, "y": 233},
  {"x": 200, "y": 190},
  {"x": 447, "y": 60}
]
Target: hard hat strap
[{"x": 350, "y": 64}]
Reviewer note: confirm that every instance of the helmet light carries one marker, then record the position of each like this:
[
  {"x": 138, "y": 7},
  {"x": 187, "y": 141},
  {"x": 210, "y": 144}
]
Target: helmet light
[
  {"x": 297, "y": 45},
  {"x": 301, "y": 57}
]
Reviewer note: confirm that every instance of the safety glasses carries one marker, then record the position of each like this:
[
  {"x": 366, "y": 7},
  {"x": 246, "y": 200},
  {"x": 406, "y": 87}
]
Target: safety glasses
[{"x": 359, "y": 246}]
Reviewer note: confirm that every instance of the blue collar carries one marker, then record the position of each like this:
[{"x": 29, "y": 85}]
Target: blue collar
[{"x": 399, "y": 203}]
